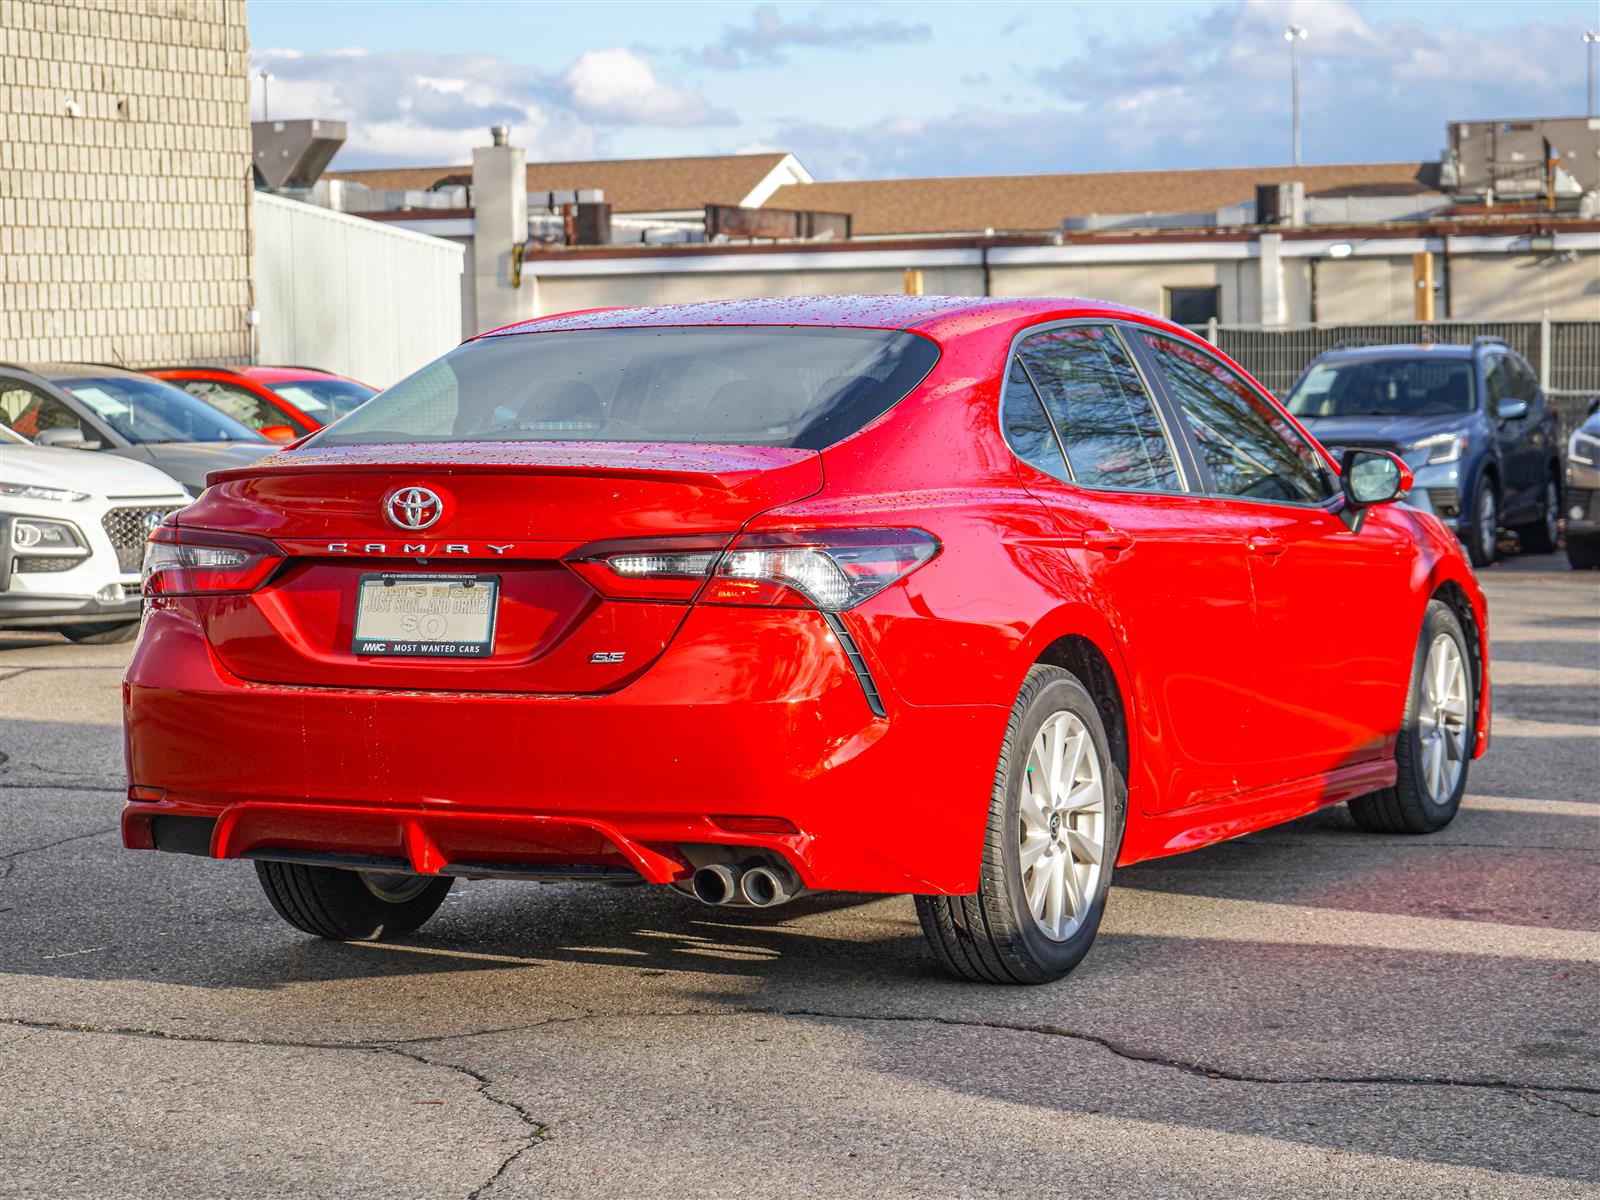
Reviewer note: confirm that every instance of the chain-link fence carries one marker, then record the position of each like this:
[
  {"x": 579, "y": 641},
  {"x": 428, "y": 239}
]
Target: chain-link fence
[{"x": 1565, "y": 354}]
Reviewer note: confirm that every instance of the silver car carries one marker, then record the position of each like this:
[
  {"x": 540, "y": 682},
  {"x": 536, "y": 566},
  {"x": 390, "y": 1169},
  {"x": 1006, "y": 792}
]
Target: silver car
[{"x": 1583, "y": 492}]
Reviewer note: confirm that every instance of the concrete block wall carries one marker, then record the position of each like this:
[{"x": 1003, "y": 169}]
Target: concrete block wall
[{"x": 124, "y": 229}]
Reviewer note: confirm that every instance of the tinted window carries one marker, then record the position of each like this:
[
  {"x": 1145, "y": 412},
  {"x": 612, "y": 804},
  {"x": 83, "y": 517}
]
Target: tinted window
[
  {"x": 1497, "y": 380},
  {"x": 1247, "y": 445},
  {"x": 1107, "y": 423},
  {"x": 30, "y": 412},
  {"x": 1524, "y": 383},
  {"x": 1384, "y": 387},
  {"x": 147, "y": 410},
  {"x": 245, "y": 407},
  {"x": 1028, "y": 430},
  {"x": 748, "y": 385},
  {"x": 325, "y": 399}
]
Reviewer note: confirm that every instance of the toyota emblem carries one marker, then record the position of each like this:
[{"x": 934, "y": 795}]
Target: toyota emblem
[{"x": 413, "y": 508}]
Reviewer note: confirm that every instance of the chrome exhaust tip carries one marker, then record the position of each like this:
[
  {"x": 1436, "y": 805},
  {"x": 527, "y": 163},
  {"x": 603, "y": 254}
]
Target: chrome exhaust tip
[
  {"x": 762, "y": 887},
  {"x": 716, "y": 884}
]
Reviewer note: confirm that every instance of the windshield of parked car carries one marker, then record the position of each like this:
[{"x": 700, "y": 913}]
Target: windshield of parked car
[
  {"x": 1385, "y": 387},
  {"x": 147, "y": 410},
  {"x": 325, "y": 399},
  {"x": 743, "y": 385}
]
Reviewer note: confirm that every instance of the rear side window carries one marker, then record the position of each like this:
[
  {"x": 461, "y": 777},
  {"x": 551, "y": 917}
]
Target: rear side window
[
  {"x": 1245, "y": 443},
  {"x": 741, "y": 385},
  {"x": 1107, "y": 425}
]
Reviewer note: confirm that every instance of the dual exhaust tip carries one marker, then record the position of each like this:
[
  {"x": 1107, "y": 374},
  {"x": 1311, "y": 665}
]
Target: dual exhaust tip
[{"x": 761, "y": 886}]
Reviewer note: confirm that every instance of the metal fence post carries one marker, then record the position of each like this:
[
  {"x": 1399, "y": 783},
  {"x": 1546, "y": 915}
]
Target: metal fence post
[
  {"x": 1211, "y": 330},
  {"x": 1544, "y": 349}
]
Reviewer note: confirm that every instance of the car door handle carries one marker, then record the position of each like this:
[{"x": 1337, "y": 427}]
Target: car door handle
[
  {"x": 1107, "y": 541},
  {"x": 1265, "y": 543}
]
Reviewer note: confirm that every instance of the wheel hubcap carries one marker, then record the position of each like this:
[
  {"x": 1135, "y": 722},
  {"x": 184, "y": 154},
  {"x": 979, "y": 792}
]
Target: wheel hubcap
[
  {"x": 1552, "y": 511},
  {"x": 394, "y": 888},
  {"x": 1442, "y": 719},
  {"x": 1063, "y": 826}
]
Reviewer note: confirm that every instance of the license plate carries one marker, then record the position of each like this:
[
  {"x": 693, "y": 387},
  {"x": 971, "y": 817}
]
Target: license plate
[{"x": 437, "y": 616}]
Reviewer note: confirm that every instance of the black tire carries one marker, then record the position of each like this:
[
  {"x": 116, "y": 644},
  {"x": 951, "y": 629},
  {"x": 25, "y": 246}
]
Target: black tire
[
  {"x": 1539, "y": 537},
  {"x": 347, "y": 905},
  {"x": 992, "y": 937},
  {"x": 101, "y": 633},
  {"x": 1482, "y": 533},
  {"x": 1407, "y": 807},
  {"x": 1583, "y": 553}
]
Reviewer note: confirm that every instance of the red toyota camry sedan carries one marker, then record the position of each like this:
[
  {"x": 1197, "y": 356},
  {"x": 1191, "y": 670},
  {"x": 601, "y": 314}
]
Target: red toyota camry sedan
[{"x": 972, "y": 599}]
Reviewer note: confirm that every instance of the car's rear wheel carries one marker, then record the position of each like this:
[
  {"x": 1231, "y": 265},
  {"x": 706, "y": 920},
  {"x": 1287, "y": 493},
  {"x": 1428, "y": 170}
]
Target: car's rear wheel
[
  {"x": 351, "y": 906},
  {"x": 1435, "y": 742},
  {"x": 1055, "y": 823},
  {"x": 1583, "y": 553},
  {"x": 1539, "y": 537},
  {"x": 101, "y": 633},
  {"x": 1482, "y": 536}
]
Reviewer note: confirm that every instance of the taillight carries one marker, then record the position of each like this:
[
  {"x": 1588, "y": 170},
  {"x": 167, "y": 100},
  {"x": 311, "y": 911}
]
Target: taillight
[
  {"x": 191, "y": 562},
  {"x": 831, "y": 569}
]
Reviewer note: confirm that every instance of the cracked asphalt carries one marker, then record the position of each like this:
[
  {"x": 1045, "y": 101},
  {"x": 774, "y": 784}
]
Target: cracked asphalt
[{"x": 1306, "y": 1011}]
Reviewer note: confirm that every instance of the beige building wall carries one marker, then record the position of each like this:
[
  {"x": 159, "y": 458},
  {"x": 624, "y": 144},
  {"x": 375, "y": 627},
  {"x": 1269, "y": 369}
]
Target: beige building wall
[
  {"x": 1519, "y": 287},
  {"x": 1358, "y": 290},
  {"x": 124, "y": 181}
]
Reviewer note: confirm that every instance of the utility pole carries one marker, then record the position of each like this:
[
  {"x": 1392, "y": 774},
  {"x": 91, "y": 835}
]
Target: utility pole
[
  {"x": 266, "y": 77},
  {"x": 1294, "y": 35},
  {"x": 1590, "y": 39}
]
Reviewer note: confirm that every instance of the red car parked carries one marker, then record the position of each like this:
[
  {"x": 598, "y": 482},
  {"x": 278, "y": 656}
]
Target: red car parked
[
  {"x": 966, "y": 598},
  {"x": 282, "y": 403}
]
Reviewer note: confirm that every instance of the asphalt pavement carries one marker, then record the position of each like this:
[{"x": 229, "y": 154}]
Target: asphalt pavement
[{"x": 1309, "y": 1011}]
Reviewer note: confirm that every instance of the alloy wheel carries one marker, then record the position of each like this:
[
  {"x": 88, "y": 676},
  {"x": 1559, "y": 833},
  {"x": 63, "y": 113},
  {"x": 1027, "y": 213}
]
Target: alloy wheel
[
  {"x": 1552, "y": 511},
  {"x": 1488, "y": 525},
  {"x": 1442, "y": 719},
  {"x": 1063, "y": 826}
]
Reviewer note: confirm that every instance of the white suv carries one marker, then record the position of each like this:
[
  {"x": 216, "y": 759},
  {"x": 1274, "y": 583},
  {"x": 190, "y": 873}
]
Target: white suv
[{"x": 72, "y": 534}]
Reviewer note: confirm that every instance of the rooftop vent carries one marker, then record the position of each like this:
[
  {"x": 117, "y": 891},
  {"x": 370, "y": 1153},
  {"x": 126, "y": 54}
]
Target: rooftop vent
[{"x": 293, "y": 154}]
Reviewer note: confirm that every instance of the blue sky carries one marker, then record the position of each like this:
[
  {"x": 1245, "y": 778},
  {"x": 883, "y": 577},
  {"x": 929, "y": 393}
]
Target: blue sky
[{"x": 863, "y": 90}]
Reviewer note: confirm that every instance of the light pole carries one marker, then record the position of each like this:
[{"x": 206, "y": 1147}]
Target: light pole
[
  {"x": 266, "y": 77},
  {"x": 1590, "y": 38},
  {"x": 1294, "y": 35}
]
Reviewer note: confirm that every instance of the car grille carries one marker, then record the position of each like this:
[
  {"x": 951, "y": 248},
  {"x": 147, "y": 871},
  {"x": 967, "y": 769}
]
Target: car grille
[
  {"x": 129, "y": 529},
  {"x": 40, "y": 564}
]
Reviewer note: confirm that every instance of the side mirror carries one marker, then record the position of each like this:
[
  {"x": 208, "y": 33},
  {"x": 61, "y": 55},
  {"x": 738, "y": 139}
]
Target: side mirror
[
  {"x": 1511, "y": 409},
  {"x": 1369, "y": 477},
  {"x": 278, "y": 433},
  {"x": 66, "y": 438}
]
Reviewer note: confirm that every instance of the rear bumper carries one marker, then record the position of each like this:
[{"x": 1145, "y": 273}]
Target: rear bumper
[{"x": 749, "y": 713}]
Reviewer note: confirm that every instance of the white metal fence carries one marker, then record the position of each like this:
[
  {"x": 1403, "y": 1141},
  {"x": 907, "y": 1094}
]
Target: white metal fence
[
  {"x": 1566, "y": 354},
  {"x": 350, "y": 295}
]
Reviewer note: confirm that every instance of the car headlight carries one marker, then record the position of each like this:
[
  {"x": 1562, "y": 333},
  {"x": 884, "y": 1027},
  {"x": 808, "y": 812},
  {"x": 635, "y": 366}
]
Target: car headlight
[
  {"x": 1584, "y": 448},
  {"x": 33, "y": 536},
  {"x": 27, "y": 491},
  {"x": 1440, "y": 448}
]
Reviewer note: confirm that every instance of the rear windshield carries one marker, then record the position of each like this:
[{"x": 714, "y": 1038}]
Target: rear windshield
[
  {"x": 1385, "y": 387},
  {"x": 745, "y": 385}
]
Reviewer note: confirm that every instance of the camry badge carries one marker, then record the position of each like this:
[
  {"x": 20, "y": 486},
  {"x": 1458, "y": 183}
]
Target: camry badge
[{"x": 413, "y": 508}]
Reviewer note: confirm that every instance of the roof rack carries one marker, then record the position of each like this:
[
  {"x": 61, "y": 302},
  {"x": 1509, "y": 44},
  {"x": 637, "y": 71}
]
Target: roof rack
[
  {"x": 1488, "y": 339},
  {"x": 1351, "y": 343}
]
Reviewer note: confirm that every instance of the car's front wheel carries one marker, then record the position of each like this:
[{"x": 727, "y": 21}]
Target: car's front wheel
[
  {"x": 351, "y": 906},
  {"x": 1055, "y": 823},
  {"x": 1539, "y": 537},
  {"x": 1435, "y": 741},
  {"x": 1583, "y": 552},
  {"x": 1482, "y": 535}
]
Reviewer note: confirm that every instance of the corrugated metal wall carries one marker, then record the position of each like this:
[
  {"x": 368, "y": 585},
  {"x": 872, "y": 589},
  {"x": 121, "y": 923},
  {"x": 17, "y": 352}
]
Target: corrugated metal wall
[{"x": 350, "y": 295}]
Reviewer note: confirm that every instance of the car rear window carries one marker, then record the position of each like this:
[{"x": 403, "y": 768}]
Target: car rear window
[{"x": 805, "y": 388}]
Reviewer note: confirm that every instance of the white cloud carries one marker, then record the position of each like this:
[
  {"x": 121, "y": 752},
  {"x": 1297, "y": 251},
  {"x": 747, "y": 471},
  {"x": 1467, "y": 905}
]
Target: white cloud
[
  {"x": 404, "y": 107},
  {"x": 618, "y": 87}
]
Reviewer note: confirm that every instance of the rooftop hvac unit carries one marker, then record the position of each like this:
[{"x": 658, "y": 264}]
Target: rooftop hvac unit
[{"x": 293, "y": 154}]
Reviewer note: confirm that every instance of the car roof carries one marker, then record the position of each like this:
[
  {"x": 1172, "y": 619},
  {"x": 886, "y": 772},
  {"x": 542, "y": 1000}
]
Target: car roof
[
  {"x": 264, "y": 374},
  {"x": 1404, "y": 350},
  {"x": 72, "y": 370},
  {"x": 931, "y": 314}
]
